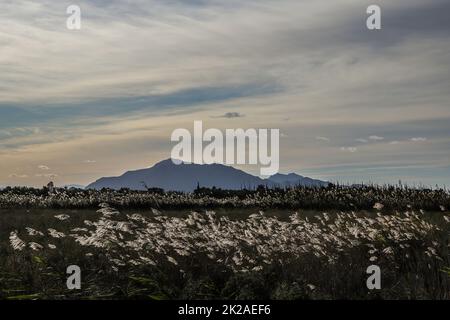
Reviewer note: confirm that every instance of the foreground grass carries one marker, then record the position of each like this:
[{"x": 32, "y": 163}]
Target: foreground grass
[{"x": 206, "y": 256}]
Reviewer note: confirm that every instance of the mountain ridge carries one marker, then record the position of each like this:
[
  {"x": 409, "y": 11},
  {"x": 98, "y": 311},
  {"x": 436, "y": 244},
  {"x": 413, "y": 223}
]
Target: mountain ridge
[{"x": 186, "y": 177}]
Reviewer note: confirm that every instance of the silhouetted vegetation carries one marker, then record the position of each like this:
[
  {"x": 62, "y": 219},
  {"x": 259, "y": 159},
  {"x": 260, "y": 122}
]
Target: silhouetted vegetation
[{"x": 333, "y": 197}]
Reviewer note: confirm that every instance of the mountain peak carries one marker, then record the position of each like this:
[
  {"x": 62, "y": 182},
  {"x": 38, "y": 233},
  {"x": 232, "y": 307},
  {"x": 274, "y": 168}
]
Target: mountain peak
[{"x": 166, "y": 162}]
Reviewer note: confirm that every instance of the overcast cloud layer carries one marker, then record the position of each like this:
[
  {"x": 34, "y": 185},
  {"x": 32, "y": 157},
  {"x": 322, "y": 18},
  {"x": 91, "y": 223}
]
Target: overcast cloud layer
[{"x": 353, "y": 105}]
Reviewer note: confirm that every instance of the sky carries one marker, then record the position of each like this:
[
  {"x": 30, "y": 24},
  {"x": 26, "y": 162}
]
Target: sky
[{"x": 352, "y": 105}]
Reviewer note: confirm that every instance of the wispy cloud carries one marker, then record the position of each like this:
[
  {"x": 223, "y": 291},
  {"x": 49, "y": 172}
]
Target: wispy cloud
[
  {"x": 419, "y": 139},
  {"x": 376, "y": 138},
  {"x": 323, "y": 138},
  {"x": 47, "y": 175},
  {"x": 99, "y": 93},
  {"x": 349, "y": 149},
  {"x": 16, "y": 175},
  {"x": 231, "y": 115}
]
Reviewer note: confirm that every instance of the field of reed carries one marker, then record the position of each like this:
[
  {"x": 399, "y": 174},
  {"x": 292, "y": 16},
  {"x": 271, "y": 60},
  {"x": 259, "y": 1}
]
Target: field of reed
[
  {"x": 334, "y": 197},
  {"x": 203, "y": 254}
]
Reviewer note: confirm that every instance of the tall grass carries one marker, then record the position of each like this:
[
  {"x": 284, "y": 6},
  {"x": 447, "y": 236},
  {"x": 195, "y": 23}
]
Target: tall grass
[
  {"x": 324, "y": 198},
  {"x": 202, "y": 255}
]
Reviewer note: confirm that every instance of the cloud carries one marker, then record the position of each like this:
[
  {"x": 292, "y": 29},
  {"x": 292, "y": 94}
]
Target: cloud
[
  {"x": 43, "y": 167},
  {"x": 322, "y": 138},
  {"x": 231, "y": 115},
  {"x": 362, "y": 140},
  {"x": 89, "y": 161},
  {"x": 15, "y": 175},
  {"x": 313, "y": 64},
  {"x": 47, "y": 175},
  {"x": 419, "y": 139},
  {"x": 349, "y": 149},
  {"x": 376, "y": 138},
  {"x": 394, "y": 142}
]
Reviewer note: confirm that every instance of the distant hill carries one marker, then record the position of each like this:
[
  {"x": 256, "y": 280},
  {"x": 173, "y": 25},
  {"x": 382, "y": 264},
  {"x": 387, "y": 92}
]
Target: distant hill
[
  {"x": 293, "y": 179},
  {"x": 185, "y": 177}
]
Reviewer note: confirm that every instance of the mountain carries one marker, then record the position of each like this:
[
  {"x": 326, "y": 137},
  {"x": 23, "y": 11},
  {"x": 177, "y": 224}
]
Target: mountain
[
  {"x": 186, "y": 176},
  {"x": 293, "y": 179}
]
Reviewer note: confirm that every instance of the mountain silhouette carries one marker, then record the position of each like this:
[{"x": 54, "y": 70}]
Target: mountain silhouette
[
  {"x": 293, "y": 179},
  {"x": 187, "y": 176}
]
